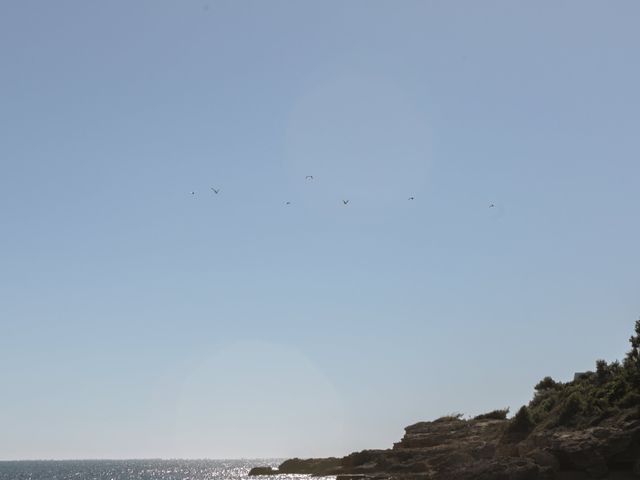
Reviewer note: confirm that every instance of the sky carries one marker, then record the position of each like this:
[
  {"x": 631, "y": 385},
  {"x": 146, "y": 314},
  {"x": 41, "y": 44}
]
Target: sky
[{"x": 138, "y": 320}]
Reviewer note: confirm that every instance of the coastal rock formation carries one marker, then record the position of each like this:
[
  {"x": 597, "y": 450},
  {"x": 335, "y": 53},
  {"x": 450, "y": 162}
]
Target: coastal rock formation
[
  {"x": 597, "y": 451},
  {"x": 588, "y": 428},
  {"x": 456, "y": 449},
  {"x": 310, "y": 466},
  {"x": 263, "y": 471}
]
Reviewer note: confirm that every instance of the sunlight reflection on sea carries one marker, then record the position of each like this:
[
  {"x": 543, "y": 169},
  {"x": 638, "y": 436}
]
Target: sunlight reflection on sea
[{"x": 135, "y": 469}]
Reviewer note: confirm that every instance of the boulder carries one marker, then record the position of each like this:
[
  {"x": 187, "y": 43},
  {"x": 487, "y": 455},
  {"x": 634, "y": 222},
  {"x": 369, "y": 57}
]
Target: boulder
[
  {"x": 312, "y": 466},
  {"x": 262, "y": 471}
]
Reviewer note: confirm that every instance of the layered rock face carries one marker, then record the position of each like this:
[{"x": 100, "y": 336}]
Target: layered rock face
[
  {"x": 454, "y": 449},
  {"x": 586, "y": 428}
]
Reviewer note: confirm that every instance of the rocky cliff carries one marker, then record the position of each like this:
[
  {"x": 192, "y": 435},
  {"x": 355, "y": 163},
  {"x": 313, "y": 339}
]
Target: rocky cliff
[
  {"x": 456, "y": 449},
  {"x": 586, "y": 428}
]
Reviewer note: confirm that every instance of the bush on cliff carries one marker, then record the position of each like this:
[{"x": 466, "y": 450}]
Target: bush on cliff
[
  {"x": 500, "y": 414},
  {"x": 450, "y": 418},
  {"x": 590, "y": 398},
  {"x": 547, "y": 383},
  {"x": 573, "y": 405},
  {"x": 521, "y": 421},
  {"x": 632, "y": 360}
]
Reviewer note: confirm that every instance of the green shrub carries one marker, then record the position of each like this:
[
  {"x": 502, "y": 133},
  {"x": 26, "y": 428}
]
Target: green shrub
[
  {"x": 573, "y": 405},
  {"x": 616, "y": 389},
  {"x": 613, "y": 389},
  {"x": 547, "y": 383},
  {"x": 540, "y": 410},
  {"x": 603, "y": 374},
  {"x": 632, "y": 360},
  {"x": 521, "y": 421},
  {"x": 450, "y": 418},
  {"x": 493, "y": 415},
  {"x": 631, "y": 399}
]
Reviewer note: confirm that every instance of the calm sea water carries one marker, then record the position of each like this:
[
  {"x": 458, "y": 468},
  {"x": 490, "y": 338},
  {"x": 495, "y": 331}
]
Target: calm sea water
[{"x": 135, "y": 469}]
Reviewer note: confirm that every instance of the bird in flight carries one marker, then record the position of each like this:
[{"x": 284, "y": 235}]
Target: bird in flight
[
  {"x": 309, "y": 177},
  {"x": 215, "y": 191},
  {"x": 491, "y": 206},
  {"x": 287, "y": 203},
  {"x": 193, "y": 193},
  {"x": 412, "y": 198},
  {"x": 345, "y": 202}
]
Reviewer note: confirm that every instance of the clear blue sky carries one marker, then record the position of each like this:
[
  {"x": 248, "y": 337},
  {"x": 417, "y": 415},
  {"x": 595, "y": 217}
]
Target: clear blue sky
[{"x": 138, "y": 320}]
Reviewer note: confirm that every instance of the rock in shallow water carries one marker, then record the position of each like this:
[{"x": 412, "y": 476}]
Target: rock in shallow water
[{"x": 262, "y": 471}]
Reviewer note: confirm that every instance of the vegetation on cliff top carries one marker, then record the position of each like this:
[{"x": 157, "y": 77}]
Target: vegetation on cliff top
[
  {"x": 491, "y": 446},
  {"x": 591, "y": 398},
  {"x": 500, "y": 414}
]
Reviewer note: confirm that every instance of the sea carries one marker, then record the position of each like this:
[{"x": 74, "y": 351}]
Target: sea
[{"x": 136, "y": 469}]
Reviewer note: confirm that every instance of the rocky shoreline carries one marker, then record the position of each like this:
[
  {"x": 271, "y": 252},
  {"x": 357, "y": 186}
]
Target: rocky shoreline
[
  {"x": 456, "y": 449},
  {"x": 585, "y": 429}
]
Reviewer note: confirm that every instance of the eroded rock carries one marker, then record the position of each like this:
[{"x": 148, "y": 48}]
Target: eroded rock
[{"x": 455, "y": 449}]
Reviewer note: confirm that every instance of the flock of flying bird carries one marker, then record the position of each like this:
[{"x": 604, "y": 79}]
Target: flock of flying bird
[{"x": 309, "y": 178}]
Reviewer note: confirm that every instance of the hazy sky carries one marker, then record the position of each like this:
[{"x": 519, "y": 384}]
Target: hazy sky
[{"x": 138, "y": 320}]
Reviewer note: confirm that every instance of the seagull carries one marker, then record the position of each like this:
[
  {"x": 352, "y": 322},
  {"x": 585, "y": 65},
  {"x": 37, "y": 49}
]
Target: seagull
[
  {"x": 345, "y": 201},
  {"x": 412, "y": 198},
  {"x": 491, "y": 206},
  {"x": 309, "y": 177},
  {"x": 215, "y": 191}
]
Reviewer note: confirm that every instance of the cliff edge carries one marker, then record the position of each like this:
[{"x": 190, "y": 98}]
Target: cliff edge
[{"x": 586, "y": 428}]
